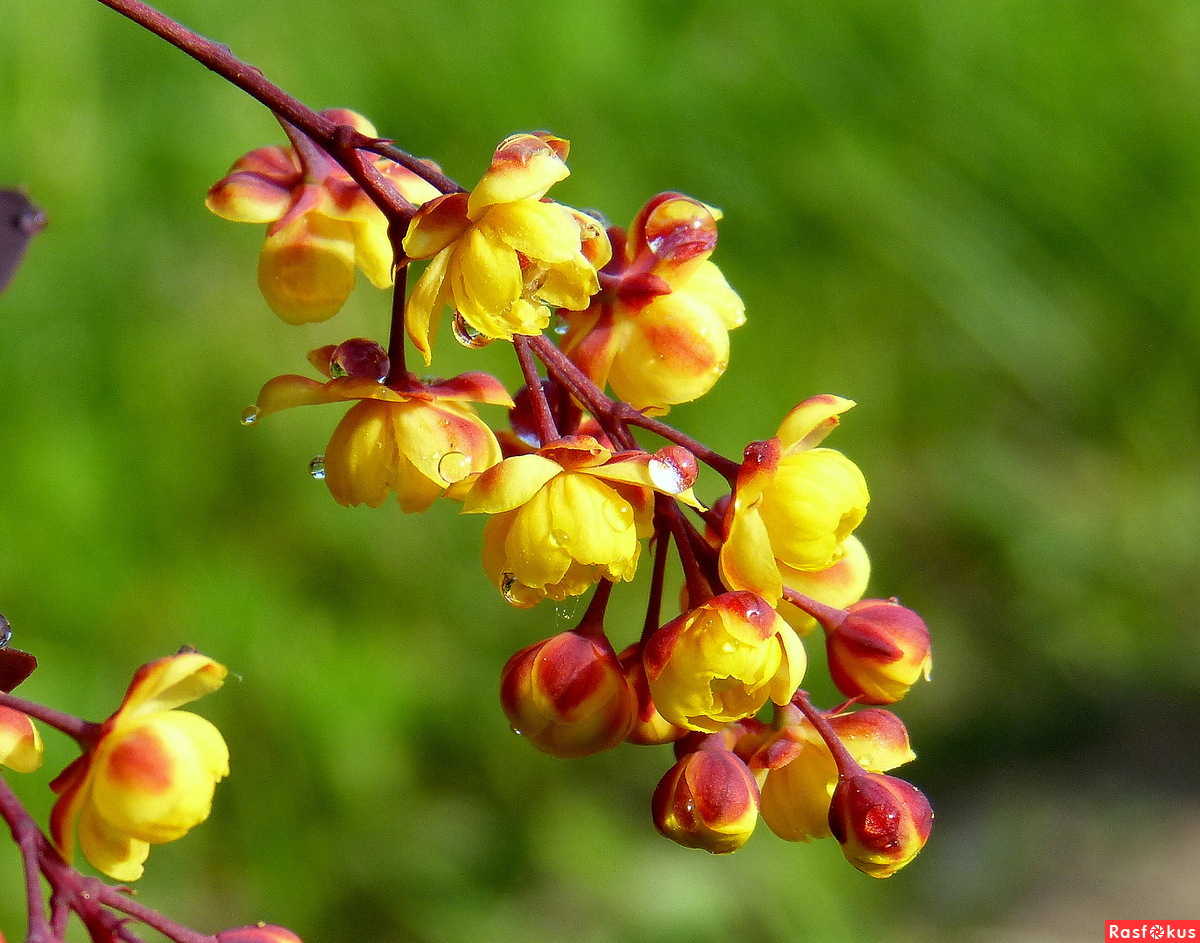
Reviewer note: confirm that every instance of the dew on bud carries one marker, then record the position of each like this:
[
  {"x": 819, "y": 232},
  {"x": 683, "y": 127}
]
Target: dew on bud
[
  {"x": 454, "y": 467},
  {"x": 250, "y": 415},
  {"x": 467, "y": 335},
  {"x": 316, "y": 468}
]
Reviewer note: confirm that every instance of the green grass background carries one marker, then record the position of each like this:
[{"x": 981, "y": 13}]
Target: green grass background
[{"x": 978, "y": 218}]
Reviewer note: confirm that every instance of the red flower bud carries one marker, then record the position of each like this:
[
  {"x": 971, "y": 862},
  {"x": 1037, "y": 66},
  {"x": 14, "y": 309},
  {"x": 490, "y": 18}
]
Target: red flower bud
[
  {"x": 568, "y": 695},
  {"x": 878, "y": 652},
  {"x": 708, "y": 800},
  {"x": 880, "y": 821},
  {"x": 259, "y": 933}
]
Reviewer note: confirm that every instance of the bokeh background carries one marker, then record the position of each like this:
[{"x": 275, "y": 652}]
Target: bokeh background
[{"x": 978, "y": 218}]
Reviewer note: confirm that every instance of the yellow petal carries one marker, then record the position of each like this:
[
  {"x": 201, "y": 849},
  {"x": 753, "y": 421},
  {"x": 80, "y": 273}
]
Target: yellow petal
[
  {"x": 807, "y": 424},
  {"x": 429, "y": 296},
  {"x": 361, "y": 460},
  {"x": 436, "y": 225},
  {"x": 445, "y": 442},
  {"x": 523, "y": 167},
  {"x": 509, "y": 484},
  {"x": 109, "y": 851},
  {"x": 747, "y": 560},
  {"x": 306, "y": 270},
  {"x": 485, "y": 277},
  {"x": 546, "y": 232},
  {"x": 171, "y": 682},
  {"x": 154, "y": 780}
]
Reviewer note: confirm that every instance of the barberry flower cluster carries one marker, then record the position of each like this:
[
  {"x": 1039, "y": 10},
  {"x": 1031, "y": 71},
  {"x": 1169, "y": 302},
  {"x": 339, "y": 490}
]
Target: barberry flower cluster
[
  {"x": 572, "y": 494},
  {"x": 573, "y": 497}
]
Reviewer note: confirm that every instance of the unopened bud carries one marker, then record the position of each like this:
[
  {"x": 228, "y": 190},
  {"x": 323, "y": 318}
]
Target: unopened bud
[
  {"x": 259, "y": 933},
  {"x": 878, "y": 652},
  {"x": 568, "y": 695},
  {"x": 880, "y": 821},
  {"x": 708, "y": 800}
]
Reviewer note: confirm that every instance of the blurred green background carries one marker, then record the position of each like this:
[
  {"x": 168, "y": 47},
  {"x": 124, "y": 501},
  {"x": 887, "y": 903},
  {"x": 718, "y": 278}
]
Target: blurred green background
[{"x": 978, "y": 218}]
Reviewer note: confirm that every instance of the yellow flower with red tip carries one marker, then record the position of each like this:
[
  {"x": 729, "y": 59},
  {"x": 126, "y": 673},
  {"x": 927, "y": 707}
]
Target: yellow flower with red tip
[
  {"x": 322, "y": 224},
  {"x": 148, "y": 776},
  {"x": 20, "y": 742},
  {"x": 659, "y": 332},
  {"x": 501, "y": 256},
  {"x": 566, "y": 517},
  {"x": 794, "y": 505},
  {"x": 722, "y": 661},
  {"x": 800, "y": 772},
  {"x": 416, "y": 441}
]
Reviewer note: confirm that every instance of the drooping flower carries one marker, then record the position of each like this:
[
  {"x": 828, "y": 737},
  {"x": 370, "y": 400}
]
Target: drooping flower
[
  {"x": 501, "y": 256},
  {"x": 800, "y": 772},
  {"x": 321, "y": 223},
  {"x": 20, "y": 742},
  {"x": 878, "y": 651},
  {"x": 148, "y": 775},
  {"x": 417, "y": 441},
  {"x": 722, "y": 661},
  {"x": 707, "y": 800},
  {"x": 794, "y": 505},
  {"x": 567, "y": 695},
  {"x": 565, "y": 517},
  {"x": 658, "y": 333},
  {"x": 880, "y": 821}
]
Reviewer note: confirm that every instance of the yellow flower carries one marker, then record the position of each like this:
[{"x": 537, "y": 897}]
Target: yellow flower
[
  {"x": 721, "y": 661},
  {"x": 322, "y": 224},
  {"x": 564, "y": 518},
  {"x": 794, "y": 505},
  {"x": 500, "y": 255},
  {"x": 801, "y": 773},
  {"x": 417, "y": 441},
  {"x": 20, "y": 742},
  {"x": 659, "y": 332},
  {"x": 148, "y": 776}
]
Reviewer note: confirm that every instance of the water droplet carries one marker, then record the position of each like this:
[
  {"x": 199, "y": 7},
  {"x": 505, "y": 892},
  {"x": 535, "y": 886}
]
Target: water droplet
[
  {"x": 517, "y": 731},
  {"x": 454, "y": 466},
  {"x": 666, "y": 477},
  {"x": 467, "y": 335},
  {"x": 619, "y": 514},
  {"x": 559, "y": 325},
  {"x": 508, "y": 589},
  {"x": 316, "y": 468},
  {"x": 560, "y": 538},
  {"x": 250, "y": 415}
]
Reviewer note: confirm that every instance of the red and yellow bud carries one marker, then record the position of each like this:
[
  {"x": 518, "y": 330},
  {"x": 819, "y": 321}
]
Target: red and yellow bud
[
  {"x": 794, "y": 505},
  {"x": 660, "y": 334},
  {"x": 259, "y": 933},
  {"x": 722, "y": 661},
  {"x": 880, "y": 821},
  {"x": 20, "y": 742},
  {"x": 707, "y": 800},
  {"x": 878, "y": 651},
  {"x": 418, "y": 441},
  {"x": 800, "y": 772},
  {"x": 149, "y": 776},
  {"x": 501, "y": 256},
  {"x": 322, "y": 224},
  {"x": 568, "y": 695}
]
